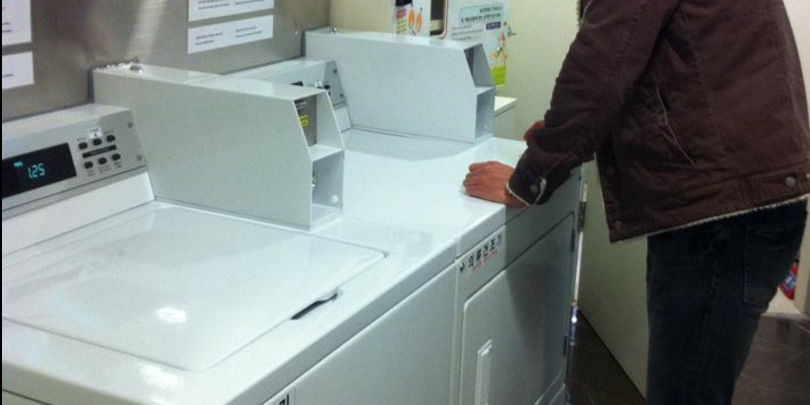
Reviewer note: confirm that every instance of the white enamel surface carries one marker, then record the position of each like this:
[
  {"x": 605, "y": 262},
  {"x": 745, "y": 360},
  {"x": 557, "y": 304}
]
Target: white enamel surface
[
  {"x": 47, "y": 222},
  {"x": 56, "y": 368},
  {"x": 175, "y": 286},
  {"x": 417, "y": 183}
]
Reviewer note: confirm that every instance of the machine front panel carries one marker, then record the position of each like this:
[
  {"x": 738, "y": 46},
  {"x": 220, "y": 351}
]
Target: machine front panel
[{"x": 515, "y": 327}]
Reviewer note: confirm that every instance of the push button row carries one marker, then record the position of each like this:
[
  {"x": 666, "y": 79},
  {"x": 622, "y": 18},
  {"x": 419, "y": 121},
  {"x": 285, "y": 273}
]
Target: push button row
[
  {"x": 102, "y": 161},
  {"x": 96, "y": 142}
]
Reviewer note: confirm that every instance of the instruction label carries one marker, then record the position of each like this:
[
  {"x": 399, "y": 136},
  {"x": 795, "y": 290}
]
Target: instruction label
[
  {"x": 18, "y": 70},
  {"x": 482, "y": 21},
  {"x": 218, "y": 36},
  {"x": 16, "y": 22},
  {"x": 199, "y": 10}
]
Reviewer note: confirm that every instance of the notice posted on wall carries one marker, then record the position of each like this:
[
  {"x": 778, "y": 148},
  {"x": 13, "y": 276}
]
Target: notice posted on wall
[
  {"x": 482, "y": 21},
  {"x": 16, "y": 22},
  {"x": 199, "y": 10},
  {"x": 18, "y": 70},
  {"x": 226, "y": 35}
]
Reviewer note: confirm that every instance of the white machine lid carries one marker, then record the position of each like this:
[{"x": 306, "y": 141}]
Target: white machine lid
[
  {"x": 176, "y": 286},
  {"x": 417, "y": 183}
]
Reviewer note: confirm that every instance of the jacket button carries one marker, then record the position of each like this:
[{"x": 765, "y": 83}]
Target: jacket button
[
  {"x": 534, "y": 189},
  {"x": 791, "y": 182},
  {"x": 618, "y": 224}
]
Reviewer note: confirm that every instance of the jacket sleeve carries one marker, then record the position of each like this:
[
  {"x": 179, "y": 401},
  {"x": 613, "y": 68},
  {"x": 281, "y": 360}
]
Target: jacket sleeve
[{"x": 610, "y": 53}]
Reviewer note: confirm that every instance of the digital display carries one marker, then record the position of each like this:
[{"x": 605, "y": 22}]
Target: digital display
[{"x": 37, "y": 169}]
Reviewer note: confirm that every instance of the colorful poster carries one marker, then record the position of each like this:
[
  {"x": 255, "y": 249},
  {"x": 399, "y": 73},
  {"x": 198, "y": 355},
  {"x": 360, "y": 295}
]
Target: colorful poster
[
  {"x": 211, "y": 37},
  {"x": 412, "y": 19},
  {"x": 18, "y": 70},
  {"x": 16, "y": 22},
  {"x": 482, "y": 21},
  {"x": 199, "y": 10}
]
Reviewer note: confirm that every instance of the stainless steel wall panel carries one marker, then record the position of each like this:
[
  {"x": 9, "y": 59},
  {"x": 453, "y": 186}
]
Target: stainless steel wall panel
[{"x": 72, "y": 36}]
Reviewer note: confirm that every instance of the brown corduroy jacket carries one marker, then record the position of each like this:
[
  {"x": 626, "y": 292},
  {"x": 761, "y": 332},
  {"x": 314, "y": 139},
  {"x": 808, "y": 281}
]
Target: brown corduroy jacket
[{"x": 696, "y": 110}]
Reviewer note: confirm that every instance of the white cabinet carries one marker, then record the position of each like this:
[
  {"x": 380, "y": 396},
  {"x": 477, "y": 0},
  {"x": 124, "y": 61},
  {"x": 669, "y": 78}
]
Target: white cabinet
[
  {"x": 10, "y": 399},
  {"x": 401, "y": 359}
]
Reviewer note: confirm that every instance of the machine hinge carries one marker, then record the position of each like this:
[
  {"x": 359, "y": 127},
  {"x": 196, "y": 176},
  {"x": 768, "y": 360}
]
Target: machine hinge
[
  {"x": 566, "y": 346},
  {"x": 583, "y": 209},
  {"x": 574, "y": 234}
]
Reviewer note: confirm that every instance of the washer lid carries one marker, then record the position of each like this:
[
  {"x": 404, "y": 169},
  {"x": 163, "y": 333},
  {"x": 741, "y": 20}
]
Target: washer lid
[{"x": 178, "y": 287}]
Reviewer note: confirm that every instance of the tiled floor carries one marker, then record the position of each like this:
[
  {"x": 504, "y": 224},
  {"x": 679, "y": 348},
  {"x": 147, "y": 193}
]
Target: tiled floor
[
  {"x": 778, "y": 369},
  {"x": 596, "y": 378},
  {"x": 776, "y": 373}
]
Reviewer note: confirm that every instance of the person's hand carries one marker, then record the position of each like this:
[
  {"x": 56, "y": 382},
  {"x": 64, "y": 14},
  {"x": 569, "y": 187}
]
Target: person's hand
[
  {"x": 537, "y": 125},
  {"x": 488, "y": 181}
]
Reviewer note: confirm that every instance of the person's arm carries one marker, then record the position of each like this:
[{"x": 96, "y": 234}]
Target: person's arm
[{"x": 610, "y": 53}]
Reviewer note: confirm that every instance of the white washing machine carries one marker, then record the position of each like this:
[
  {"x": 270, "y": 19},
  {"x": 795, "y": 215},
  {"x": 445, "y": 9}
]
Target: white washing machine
[
  {"x": 514, "y": 268},
  {"x": 111, "y": 296}
]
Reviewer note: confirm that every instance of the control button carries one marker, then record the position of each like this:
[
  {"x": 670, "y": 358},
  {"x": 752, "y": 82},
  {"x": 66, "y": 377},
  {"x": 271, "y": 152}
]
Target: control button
[
  {"x": 83, "y": 145},
  {"x": 791, "y": 182},
  {"x": 110, "y": 138},
  {"x": 88, "y": 165},
  {"x": 116, "y": 157},
  {"x": 102, "y": 161},
  {"x": 97, "y": 142}
]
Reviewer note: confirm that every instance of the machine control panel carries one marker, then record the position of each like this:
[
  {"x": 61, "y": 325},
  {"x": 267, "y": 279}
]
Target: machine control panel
[
  {"x": 47, "y": 156},
  {"x": 100, "y": 151},
  {"x": 317, "y": 74}
]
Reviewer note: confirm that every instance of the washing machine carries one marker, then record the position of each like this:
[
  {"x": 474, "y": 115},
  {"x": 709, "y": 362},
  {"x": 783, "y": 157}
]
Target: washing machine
[
  {"x": 121, "y": 287},
  {"x": 415, "y": 114}
]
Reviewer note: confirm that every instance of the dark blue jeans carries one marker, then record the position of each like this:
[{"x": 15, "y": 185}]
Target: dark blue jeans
[{"x": 707, "y": 287}]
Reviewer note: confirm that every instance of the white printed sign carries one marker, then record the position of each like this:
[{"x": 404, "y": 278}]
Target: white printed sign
[
  {"x": 482, "y": 21},
  {"x": 229, "y": 34},
  {"x": 199, "y": 10},
  {"x": 16, "y": 22},
  {"x": 18, "y": 70}
]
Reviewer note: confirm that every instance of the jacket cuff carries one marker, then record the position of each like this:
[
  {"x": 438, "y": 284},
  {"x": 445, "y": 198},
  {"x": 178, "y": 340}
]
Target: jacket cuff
[{"x": 525, "y": 187}]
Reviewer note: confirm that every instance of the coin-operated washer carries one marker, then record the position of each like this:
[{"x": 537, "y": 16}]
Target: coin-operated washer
[
  {"x": 415, "y": 114},
  {"x": 141, "y": 264}
]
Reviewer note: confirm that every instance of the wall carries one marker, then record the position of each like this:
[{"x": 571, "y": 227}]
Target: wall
[
  {"x": 612, "y": 291},
  {"x": 72, "y": 36},
  {"x": 545, "y": 29},
  {"x": 800, "y": 15},
  {"x": 803, "y": 284}
]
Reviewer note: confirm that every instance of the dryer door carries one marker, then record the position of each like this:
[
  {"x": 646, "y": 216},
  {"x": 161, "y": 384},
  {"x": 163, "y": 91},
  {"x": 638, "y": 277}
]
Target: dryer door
[{"x": 516, "y": 328}]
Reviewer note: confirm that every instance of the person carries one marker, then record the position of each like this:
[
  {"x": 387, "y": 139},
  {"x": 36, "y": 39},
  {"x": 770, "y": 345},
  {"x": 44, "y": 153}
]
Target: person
[{"x": 696, "y": 110}]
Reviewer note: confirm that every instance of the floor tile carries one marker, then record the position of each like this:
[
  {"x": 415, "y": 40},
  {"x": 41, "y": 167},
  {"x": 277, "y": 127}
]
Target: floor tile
[{"x": 776, "y": 372}]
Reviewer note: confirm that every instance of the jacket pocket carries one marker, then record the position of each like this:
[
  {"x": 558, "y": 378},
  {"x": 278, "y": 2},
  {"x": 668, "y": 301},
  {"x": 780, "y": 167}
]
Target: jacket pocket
[{"x": 668, "y": 132}]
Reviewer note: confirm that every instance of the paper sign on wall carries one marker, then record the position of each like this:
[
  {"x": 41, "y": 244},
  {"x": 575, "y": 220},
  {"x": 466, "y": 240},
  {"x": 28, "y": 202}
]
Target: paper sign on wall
[
  {"x": 482, "y": 21},
  {"x": 18, "y": 70},
  {"x": 412, "y": 19},
  {"x": 206, "y": 9},
  {"x": 211, "y": 37},
  {"x": 16, "y": 22}
]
